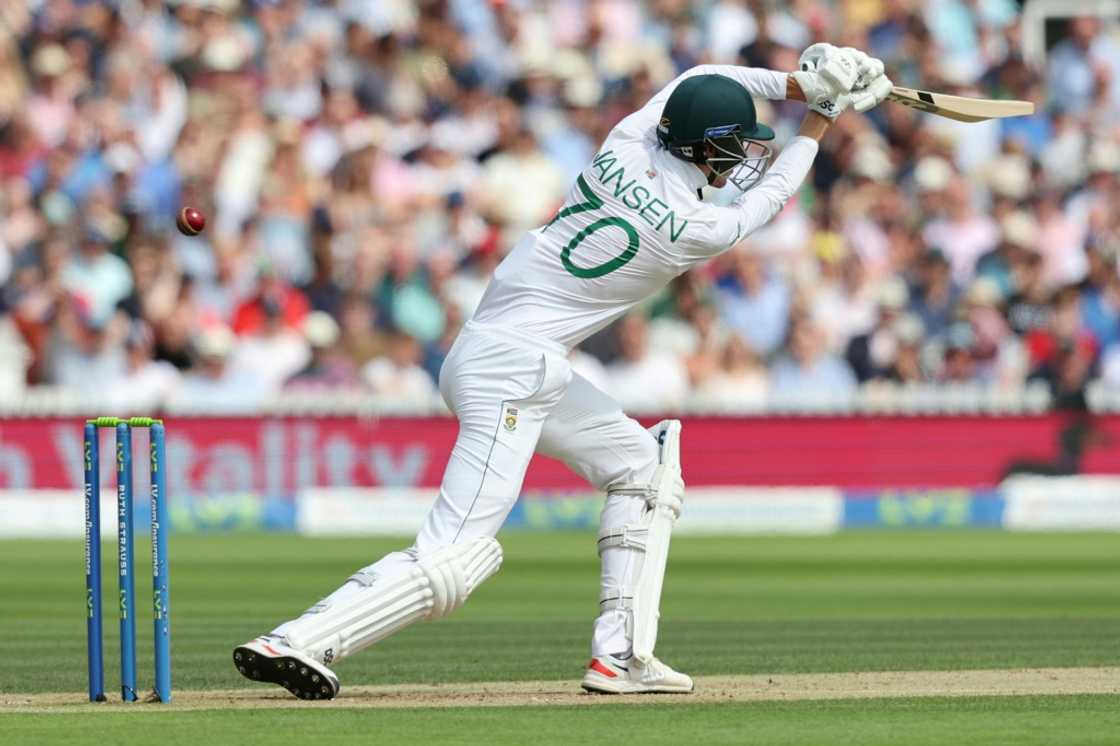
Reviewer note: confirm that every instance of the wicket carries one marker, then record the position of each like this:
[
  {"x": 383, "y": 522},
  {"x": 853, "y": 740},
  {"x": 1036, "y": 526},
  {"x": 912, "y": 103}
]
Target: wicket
[{"x": 159, "y": 522}]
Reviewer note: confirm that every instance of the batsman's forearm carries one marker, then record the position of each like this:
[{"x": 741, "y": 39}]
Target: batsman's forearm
[
  {"x": 759, "y": 206},
  {"x": 793, "y": 90},
  {"x": 729, "y": 225},
  {"x": 815, "y": 126}
]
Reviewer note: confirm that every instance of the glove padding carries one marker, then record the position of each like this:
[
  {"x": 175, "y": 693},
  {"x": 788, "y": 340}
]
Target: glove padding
[
  {"x": 873, "y": 94},
  {"x": 819, "y": 96},
  {"x": 838, "y": 67},
  {"x": 872, "y": 85},
  {"x": 834, "y": 79},
  {"x": 869, "y": 67}
]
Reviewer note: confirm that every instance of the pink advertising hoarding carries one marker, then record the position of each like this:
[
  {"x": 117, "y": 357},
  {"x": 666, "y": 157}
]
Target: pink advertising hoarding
[{"x": 277, "y": 456}]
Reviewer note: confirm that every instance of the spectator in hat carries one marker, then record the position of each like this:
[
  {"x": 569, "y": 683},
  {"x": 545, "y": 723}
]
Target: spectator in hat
[
  {"x": 982, "y": 309},
  {"x": 1063, "y": 156},
  {"x": 642, "y": 377},
  {"x": 398, "y": 376},
  {"x": 1063, "y": 255},
  {"x": 740, "y": 382},
  {"x": 958, "y": 364},
  {"x": 438, "y": 171},
  {"x": 935, "y": 299},
  {"x": 963, "y": 233},
  {"x": 147, "y": 384},
  {"x": 573, "y": 144},
  {"x": 50, "y": 109},
  {"x": 1093, "y": 205},
  {"x": 520, "y": 187},
  {"x": 1019, "y": 233},
  {"x": 274, "y": 352},
  {"x": 907, "y": 366},
  {"x": 1028, "y": 308},
  {"x": 327, "y": 368},
  {"x": 85, "y": 352},
  {"x": 842, "y": 296},
  {"x": 754, "y": 302},
  {"x": 360, "y": 339},
  {"x": 871, "y": 354},
  {"x": 97, "y": 277},
  {"x": 212, "y": 384},
  {"x": 274, "y": 296}
]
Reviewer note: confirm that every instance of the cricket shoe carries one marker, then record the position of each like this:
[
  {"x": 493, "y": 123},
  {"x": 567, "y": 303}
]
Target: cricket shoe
[
  {"x": 607, "y": 674},
  {"x": 269, "y": 659}
]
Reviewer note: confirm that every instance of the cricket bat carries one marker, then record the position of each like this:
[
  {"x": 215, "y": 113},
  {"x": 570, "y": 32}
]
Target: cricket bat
[{"x": 960, "y": 108}]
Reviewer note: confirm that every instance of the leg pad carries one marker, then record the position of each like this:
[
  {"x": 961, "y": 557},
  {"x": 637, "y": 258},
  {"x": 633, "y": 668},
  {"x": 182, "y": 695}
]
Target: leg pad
[
  {"x": 664, "y": 497},
  {"x": 431, "y": 588}
]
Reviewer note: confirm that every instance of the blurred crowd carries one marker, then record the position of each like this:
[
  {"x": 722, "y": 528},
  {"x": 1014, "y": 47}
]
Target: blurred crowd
[{"x": 366, "y": 163}]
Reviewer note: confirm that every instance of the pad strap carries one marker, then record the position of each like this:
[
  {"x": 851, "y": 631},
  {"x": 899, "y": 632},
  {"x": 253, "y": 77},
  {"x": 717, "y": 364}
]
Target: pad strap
[
  {"x": 617, "y": 598},
  {"x": 630, "y": 536},
  {"x": 640, "y": 490}
]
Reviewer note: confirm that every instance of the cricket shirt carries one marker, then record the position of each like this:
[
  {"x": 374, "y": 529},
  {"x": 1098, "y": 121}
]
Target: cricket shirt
[{"x": 632, "y": 222}]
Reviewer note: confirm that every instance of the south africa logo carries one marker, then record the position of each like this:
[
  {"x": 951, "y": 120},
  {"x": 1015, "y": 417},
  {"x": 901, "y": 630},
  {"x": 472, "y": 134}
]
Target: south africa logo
[{"x": 510, "y": 420}]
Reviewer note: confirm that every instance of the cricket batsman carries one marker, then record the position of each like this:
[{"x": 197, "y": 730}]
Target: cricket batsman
[{"x": 635, "y": 219}]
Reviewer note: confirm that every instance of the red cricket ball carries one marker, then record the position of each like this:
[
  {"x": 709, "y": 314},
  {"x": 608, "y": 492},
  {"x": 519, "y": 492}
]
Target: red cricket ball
[{"x": 190, "y": 221}]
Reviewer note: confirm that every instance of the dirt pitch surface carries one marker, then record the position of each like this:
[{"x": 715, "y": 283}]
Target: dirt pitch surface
[{"x": 777, "y": 687}]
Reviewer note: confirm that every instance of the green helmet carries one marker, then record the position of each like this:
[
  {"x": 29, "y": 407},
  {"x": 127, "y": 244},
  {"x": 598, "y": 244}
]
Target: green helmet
[{"x": 711, "y": 120}]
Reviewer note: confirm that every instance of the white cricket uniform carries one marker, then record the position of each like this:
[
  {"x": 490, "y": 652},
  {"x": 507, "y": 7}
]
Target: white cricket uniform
[{"x": 632, "y": 222}]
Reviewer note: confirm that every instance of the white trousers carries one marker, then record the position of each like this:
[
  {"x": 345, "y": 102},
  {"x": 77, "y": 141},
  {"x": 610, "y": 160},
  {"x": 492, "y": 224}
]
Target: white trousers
[
  {"x": 514, "y": 396},
  {"x": 511, "y": 401}
]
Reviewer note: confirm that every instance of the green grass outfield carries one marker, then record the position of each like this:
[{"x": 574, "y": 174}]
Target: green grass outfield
[{"x": 874, "y": 601}]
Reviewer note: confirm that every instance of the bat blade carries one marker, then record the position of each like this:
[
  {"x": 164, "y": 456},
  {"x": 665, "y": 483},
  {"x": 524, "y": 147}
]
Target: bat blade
[{"x": 960, "y": 108}]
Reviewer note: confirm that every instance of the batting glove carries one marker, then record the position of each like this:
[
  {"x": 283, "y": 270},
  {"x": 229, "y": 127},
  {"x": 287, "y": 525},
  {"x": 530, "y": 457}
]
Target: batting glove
[
  {"x": 834, "y": 79},
  {"x": 868, "y": 68},
  {"x": 820, "y": 96},
  {"x": 871, "y": 86},
  {"x": 871, "y": 95},
  {"x": 826, "y": 77},
  {"x": 838, "y": 68}
]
